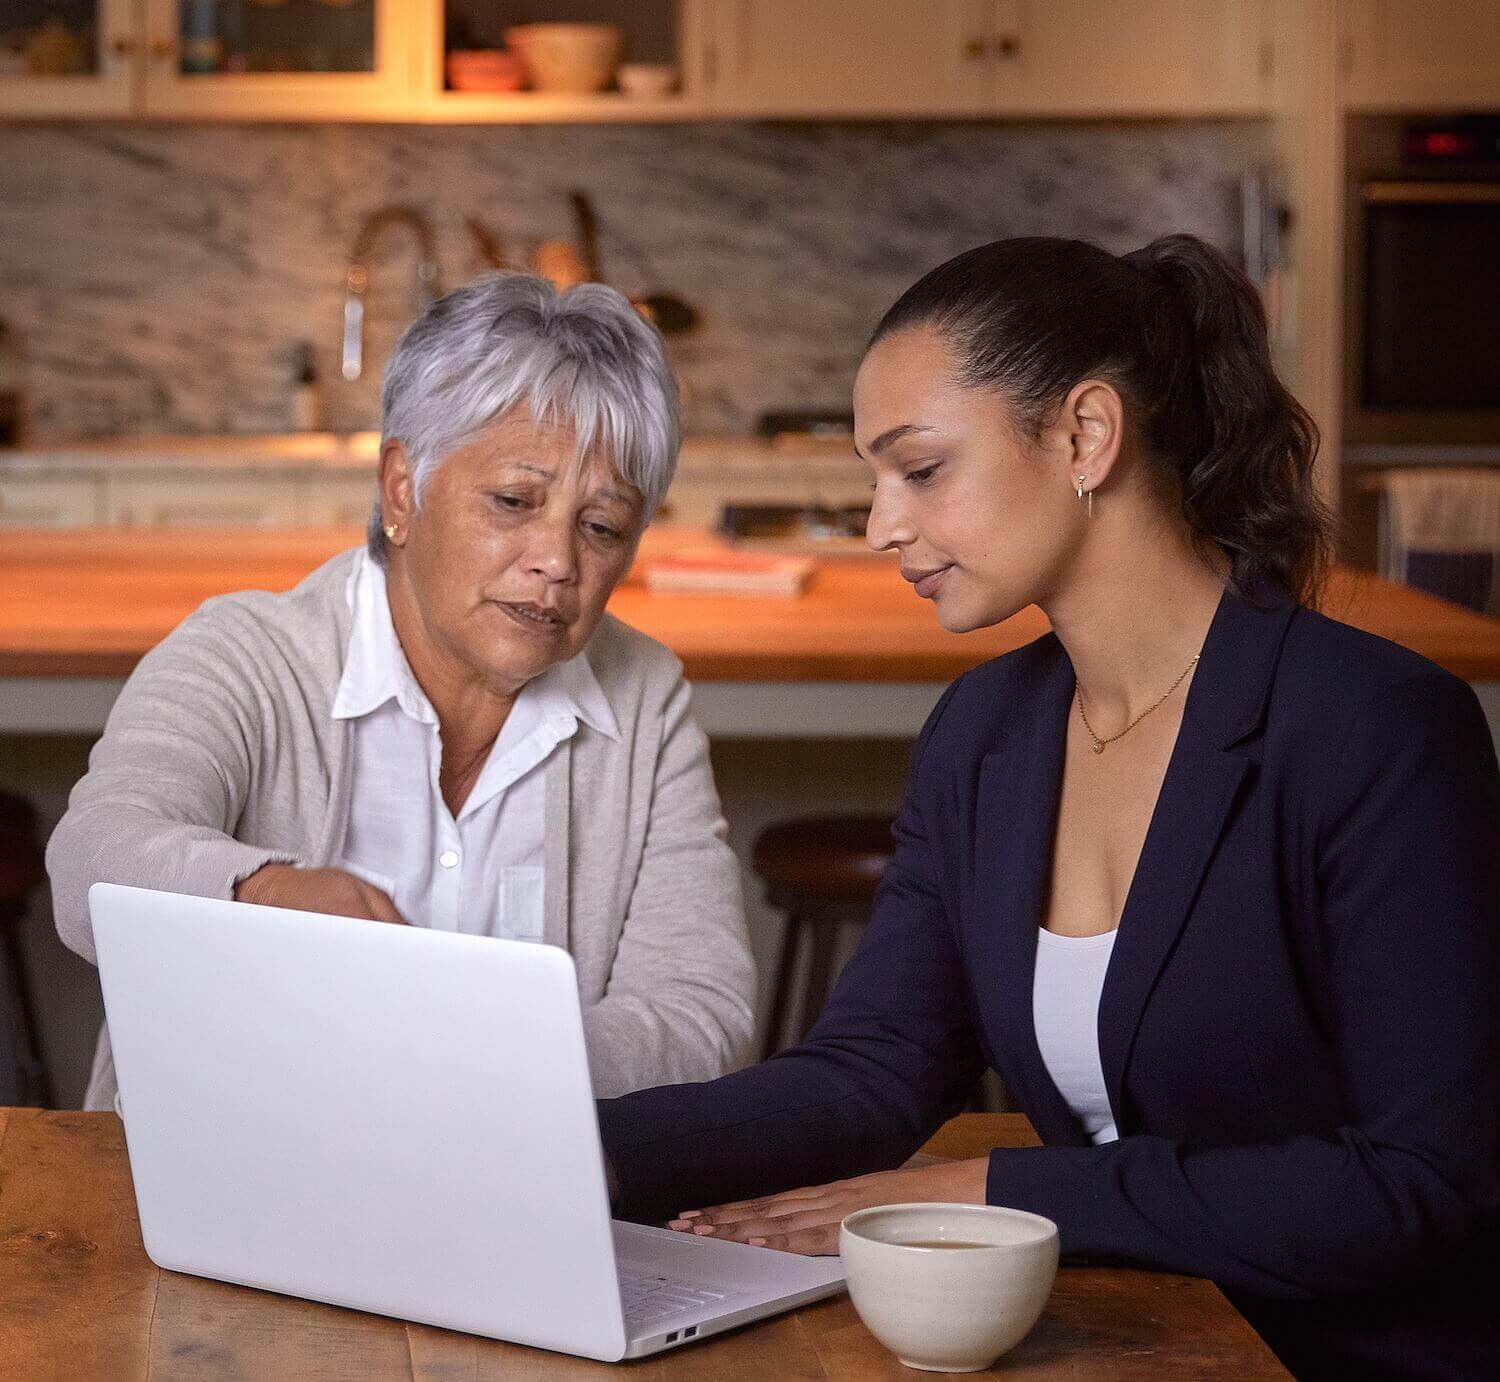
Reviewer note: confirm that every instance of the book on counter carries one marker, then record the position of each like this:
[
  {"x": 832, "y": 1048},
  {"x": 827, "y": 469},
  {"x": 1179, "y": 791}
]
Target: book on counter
[{"x": 713, "y": 571}]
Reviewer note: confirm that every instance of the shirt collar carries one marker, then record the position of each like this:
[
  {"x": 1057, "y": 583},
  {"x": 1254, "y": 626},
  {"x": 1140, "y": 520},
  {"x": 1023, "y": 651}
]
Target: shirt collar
[{"x": 376, "y": 670}]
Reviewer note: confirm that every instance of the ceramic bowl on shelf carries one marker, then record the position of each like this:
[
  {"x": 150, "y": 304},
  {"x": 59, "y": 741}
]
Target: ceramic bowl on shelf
[
  {"x": 485, "y": 69},
  {"x": 647, "y": 81},
  {"x": 574, "y": 58}
]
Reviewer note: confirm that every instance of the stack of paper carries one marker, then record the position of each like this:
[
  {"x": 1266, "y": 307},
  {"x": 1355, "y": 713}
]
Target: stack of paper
[{"x": 717, "y": 572}]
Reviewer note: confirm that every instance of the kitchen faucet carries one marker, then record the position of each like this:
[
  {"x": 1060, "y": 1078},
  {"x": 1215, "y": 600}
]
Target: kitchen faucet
[{"x": 358, "y": 276}]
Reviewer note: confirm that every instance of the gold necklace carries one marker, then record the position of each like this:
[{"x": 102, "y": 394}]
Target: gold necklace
[{"x": 1084, "y": 715}]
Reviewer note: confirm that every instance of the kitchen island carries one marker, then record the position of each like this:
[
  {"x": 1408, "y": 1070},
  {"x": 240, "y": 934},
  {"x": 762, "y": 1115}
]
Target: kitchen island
[{"x": 857, "y": 655}]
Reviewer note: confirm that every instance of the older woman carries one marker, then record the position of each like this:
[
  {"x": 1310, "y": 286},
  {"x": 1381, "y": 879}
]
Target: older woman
[{"x": 446, "y": 729}]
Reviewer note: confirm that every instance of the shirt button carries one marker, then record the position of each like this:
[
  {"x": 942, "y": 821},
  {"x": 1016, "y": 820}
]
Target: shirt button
[{"x": 448, "y": 858}]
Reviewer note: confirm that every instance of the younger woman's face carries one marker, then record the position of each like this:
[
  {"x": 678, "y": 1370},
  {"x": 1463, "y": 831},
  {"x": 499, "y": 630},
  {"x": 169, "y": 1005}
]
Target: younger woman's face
[{"x": 983, "y": 519}]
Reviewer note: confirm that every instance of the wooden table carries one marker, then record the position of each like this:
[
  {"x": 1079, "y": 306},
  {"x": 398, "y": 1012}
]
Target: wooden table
[
  {"x": 857, "y": 655},
  {"x": 79, "y": 1300}
]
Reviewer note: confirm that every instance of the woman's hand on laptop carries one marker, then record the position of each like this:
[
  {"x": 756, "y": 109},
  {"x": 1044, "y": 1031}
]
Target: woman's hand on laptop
[
  {"x": 331, "y": 891},
  {"x": 807, "y": 1221}
]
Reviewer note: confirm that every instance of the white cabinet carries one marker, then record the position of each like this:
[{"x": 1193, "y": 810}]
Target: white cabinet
[
  {"x": 780, "y": 57},
  {"x": 206, "y": 498},
  {"x": 1434, "y": 55},
  {"x": 337, "y": 500},
  {"x": 37, "y": 499},
  {"x": 342, "y": 61},
  {"x": 1080, "y": 58},
  {"x": 53, "y": 67}
]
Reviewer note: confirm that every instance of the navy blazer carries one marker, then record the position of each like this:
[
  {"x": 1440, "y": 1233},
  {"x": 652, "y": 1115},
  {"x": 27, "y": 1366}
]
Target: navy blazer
[{"x": 1300, "y": 1025}]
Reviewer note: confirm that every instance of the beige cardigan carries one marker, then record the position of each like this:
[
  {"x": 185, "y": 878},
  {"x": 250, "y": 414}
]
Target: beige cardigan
[{"x": 222, "y": 754}]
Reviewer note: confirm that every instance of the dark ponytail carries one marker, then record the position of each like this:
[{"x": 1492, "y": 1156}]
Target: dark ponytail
[{"x": 1181, "y": 333}]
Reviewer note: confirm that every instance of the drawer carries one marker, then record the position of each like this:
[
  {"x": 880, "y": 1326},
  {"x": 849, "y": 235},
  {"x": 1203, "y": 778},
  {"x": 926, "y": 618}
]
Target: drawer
[
  {"x": 49, "y": 501},
  {"x": 202, "y": 499},
  {"x": 338, "y": 501}
]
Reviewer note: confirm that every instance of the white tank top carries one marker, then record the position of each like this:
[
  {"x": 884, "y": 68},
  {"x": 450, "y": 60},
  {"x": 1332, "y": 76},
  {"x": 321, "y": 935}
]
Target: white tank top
[{"x": 1065, "y": 1008}]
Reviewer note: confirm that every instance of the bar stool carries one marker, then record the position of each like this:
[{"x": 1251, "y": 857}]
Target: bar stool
[
  {"x": 21, "y": 870},
  {"x": 821, "y": 871}
]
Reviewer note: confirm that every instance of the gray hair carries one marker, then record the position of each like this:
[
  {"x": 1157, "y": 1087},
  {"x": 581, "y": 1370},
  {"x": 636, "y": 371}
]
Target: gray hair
[{"x": 583, "y": 358}]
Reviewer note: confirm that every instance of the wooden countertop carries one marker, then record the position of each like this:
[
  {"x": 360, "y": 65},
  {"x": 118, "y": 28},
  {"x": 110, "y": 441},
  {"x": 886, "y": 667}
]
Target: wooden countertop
[
  {"x": 77, "y": 1286},
  {"x": 91, "y": 602}
]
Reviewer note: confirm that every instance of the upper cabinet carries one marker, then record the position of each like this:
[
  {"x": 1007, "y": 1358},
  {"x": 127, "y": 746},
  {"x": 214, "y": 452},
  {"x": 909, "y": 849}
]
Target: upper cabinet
[
  {"x": 67, "y": 57},
  {"x": 1439, "y": 54},
  {"x": 987, "y": 57},
  {"x": 1148, "y": 57},
  {"x": 277, "y": 59},
  {"x": 775, "y": 57}
]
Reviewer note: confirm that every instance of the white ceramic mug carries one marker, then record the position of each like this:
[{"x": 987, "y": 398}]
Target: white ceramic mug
[{"x": 943, "y": 1307}]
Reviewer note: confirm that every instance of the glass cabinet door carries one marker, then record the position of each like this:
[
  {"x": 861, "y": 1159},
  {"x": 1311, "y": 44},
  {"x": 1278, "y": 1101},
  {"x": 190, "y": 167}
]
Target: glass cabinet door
[
  {"x": 307, "y": 59},
  {"x": 61, "y": 58}
]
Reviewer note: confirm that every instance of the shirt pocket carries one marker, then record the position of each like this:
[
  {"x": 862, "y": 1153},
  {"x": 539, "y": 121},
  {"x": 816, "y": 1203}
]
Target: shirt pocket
[{"x": 521, "y": 902}]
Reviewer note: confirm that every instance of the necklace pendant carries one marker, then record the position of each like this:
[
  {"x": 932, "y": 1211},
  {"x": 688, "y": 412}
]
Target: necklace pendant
[{"x": 1098, "y": 748}]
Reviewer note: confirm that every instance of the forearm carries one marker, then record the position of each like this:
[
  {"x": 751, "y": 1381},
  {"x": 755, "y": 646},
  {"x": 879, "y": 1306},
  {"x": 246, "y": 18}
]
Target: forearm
[
  {"x": 1302, "y": 1218},
  {"x": 107, "y": 841},
  {"x": 820, "y": 1112}
]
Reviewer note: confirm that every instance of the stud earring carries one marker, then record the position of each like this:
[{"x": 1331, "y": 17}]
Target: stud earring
[{"x": 390, "y": 532}]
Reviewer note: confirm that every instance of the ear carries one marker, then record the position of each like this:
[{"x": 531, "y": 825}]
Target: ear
[
  {"x": 397, "y": 493},
  {"x": 1088, "y": 432}
]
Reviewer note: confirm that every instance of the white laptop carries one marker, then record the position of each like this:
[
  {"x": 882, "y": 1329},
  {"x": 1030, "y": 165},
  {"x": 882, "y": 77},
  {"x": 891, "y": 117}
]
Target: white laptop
[{"x": 397, "y": 1120}]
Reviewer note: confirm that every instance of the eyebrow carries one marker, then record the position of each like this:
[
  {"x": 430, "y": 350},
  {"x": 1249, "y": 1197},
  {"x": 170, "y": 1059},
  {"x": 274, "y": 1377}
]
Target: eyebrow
[
  {"x": 893, "y": 435},
  {"x": 620, "y": 496}
]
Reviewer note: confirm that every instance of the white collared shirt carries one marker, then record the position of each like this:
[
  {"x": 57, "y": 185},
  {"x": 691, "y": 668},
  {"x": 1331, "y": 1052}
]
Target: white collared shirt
[{"x": 483, "y": 872}]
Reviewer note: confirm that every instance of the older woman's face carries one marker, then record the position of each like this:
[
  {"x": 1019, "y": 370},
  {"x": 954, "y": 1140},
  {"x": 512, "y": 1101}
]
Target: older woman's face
[{"x": 515, "y": 550}]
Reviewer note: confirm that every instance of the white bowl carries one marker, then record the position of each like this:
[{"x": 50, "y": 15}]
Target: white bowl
[
  {"x": 575, "y": 58},
  {"x": 944, "y": 1308},
  {"x": 646, "y": 81}
]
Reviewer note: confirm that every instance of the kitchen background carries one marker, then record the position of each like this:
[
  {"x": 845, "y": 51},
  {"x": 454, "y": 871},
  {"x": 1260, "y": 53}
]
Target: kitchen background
[{"x": 162, "y": 278}]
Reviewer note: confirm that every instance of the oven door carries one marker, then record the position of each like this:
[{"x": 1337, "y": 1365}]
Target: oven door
[{"x": 1425, "y": 355}]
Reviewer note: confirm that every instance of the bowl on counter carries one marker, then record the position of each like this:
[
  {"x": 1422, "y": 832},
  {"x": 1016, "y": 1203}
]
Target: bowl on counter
[
  {"x": 573, "y": 58},
  {"x": 485, "y": 69},
  {"x": 948, "y": 1287}
]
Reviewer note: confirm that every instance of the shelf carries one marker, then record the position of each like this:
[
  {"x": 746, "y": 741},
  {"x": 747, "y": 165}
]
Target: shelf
[{"x": 530, "y": 108}]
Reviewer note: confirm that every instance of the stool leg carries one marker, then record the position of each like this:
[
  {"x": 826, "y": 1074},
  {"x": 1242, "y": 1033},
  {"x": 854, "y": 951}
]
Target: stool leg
[
  {"x": 818, "y": 974},
  {"x": 37, "y": 1088},
  {"x": 781, "y": 986}
]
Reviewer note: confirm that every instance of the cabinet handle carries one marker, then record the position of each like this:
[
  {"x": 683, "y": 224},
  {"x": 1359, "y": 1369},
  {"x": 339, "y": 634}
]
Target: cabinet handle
[
  {"x": 123, "y": 46},
  {"x": 163, "y": 47},
  {"x": 1007, "y": 46},
  {"x": 974, "y": 48}
]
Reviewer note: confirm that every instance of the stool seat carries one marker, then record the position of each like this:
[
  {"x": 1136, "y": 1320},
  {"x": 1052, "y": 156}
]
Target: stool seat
[{"x": 825, "y": 858}]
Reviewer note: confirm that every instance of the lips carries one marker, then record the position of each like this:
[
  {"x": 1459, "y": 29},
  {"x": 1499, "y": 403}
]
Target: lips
[
  {"x": 533, "y": 617},
  {"x": 927, "y": 583}
]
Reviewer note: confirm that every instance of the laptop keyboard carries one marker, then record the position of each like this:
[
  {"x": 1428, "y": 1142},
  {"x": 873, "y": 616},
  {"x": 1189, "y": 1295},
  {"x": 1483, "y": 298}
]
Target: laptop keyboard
[{"x": 649, "y": 1300}]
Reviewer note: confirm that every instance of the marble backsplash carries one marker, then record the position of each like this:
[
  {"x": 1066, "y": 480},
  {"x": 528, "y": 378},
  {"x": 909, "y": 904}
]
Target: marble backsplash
[{"x": 162, "y": 276}]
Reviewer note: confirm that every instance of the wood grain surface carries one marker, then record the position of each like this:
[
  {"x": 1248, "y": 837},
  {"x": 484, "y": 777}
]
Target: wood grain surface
[
  {"x": 81, "y": 1302},
  {"x": 92, "y": 602}
]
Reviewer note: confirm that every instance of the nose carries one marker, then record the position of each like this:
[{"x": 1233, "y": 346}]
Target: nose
[
  {"x": 552, "y": 552},
  {"x": 888, "y": 526}
]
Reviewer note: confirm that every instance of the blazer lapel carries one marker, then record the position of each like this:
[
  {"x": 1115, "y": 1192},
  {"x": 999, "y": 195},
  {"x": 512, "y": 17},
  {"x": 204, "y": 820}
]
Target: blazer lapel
[
  {"x": 1225, "y": 705},
  {"x": 1014, "y": 821}
]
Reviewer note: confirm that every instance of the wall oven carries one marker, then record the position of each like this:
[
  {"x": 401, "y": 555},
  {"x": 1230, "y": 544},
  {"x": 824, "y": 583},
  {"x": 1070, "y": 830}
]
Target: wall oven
[{"x": 1423, "y": 284}]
